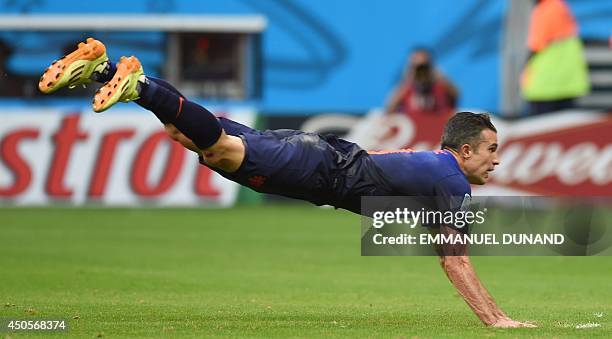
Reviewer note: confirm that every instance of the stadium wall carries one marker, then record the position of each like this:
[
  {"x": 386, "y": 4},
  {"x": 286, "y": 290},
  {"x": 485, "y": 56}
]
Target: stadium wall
[
  {"x": 320, "y": 55},
  {"x": 325, "y": 65}
]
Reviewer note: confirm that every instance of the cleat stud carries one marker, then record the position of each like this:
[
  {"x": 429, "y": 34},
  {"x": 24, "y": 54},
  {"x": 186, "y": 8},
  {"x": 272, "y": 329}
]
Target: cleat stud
[
  {"x": 115, "y": 86},
  {"x": 102, "y": 101},
  {"x": 49, "y": 84}
]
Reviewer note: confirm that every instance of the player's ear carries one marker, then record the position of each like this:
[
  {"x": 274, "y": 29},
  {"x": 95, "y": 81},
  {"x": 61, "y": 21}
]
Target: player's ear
[{"x": 465, "y": 151}]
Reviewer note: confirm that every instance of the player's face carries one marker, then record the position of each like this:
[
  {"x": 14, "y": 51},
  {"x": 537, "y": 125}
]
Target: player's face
[{"x": 483, "y": 158}]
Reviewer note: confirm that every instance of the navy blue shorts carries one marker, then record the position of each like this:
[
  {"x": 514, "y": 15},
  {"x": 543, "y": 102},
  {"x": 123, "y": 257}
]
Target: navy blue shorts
[{"x": 321, "y": 169}]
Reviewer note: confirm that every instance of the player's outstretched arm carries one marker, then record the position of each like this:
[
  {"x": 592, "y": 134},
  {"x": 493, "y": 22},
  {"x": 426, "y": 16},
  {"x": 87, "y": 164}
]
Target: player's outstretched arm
[{"x": 461, "y": 273}]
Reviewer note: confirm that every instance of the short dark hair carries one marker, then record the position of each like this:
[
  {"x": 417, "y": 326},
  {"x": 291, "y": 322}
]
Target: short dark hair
[
  {"x": 422, "y": 49},
  {"x": 465, "y": 128}
]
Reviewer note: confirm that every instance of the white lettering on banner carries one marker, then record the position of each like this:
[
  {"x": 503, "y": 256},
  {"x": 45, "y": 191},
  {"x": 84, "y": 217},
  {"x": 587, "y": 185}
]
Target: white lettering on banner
[
  {"x": 536, "y": 162},
  {"x": 574, "y": 165},
  {"x": 115, "y": 159},
  {"x": 601, "y": 171},
  {"x": 527, "y": 165},
  {"x": 579, "y": 163}
]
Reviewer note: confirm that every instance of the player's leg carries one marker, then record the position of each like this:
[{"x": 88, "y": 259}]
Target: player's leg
[
  {"x": 200, "y": 130},
  {"x": 189, "y": 123},
  {"x": 230, "y": 127},
  {"x": 227, "y": 154},
  {"x": 193, "y": 121},
  {"x": 89, "y": 62},
  {"x": 179, "y": 137}
]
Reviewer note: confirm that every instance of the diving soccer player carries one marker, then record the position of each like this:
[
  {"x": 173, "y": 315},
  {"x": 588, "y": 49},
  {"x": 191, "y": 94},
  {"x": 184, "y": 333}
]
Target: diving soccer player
[{"x": 307, "y": 166}]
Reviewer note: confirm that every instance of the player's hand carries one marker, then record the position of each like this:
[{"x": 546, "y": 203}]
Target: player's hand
[{"x": 509, "y": 323}]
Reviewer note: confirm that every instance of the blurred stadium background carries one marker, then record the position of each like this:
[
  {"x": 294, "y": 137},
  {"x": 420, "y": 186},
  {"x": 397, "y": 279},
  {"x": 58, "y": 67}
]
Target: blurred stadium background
[{"x": 105, "y": 221}]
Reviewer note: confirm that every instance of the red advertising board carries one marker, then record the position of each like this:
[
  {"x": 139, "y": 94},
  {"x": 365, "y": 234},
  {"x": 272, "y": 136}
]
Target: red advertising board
[{"x": 124, "y": 158}]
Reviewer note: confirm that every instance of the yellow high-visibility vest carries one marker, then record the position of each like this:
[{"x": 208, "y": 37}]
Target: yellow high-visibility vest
[{"x": 559, "y": 71}]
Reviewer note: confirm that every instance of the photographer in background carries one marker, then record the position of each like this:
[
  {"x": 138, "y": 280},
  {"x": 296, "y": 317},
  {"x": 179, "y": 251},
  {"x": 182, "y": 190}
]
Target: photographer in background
[
  {"x": 425, "y": 98},
  {"x": 423, "y": 90}
]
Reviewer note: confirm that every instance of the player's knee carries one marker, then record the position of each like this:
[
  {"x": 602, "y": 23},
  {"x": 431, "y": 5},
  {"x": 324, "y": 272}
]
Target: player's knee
[
  {"x": 173, "y": 132},
  {"x": 176, "y": 135},
  {"x": 217, "y": 153},
  {"x": 227, "y": 153}
]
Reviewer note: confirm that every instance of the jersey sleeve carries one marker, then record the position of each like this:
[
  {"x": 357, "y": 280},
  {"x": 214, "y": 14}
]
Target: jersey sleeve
[{"x": 453, "y": 195}]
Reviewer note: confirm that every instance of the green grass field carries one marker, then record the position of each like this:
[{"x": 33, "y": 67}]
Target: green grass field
[{"x": 267, "y": 271}]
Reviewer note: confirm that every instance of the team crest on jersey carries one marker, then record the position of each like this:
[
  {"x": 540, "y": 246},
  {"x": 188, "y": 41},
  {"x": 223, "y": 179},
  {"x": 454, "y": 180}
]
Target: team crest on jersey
[{"x": 257, "y": 180}]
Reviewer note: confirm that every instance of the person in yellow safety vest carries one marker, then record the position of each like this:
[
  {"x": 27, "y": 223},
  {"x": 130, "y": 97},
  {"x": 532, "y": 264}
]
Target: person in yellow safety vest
[{"x": 556, "y": 71}]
